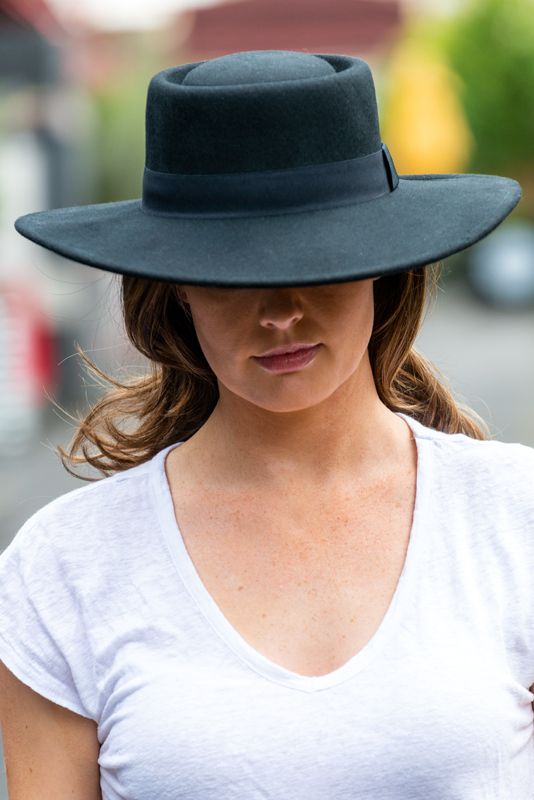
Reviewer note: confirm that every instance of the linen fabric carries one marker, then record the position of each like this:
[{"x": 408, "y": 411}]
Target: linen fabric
[{"x": 102, "y": 611}]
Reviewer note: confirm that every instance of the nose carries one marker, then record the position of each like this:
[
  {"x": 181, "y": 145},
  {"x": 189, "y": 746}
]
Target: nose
[{"x": 280, "y": 310}]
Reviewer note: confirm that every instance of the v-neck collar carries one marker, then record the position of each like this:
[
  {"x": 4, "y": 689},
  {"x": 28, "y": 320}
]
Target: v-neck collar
[{"x": 401, "y": 599}]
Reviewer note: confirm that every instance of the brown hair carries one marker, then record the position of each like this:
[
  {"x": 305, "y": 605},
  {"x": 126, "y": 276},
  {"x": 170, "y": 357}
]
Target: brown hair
[{"x": 178, "y": 393}]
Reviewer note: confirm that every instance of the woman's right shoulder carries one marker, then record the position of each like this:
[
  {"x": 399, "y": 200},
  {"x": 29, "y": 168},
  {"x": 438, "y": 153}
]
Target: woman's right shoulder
[{"x": 90, "y": 516}]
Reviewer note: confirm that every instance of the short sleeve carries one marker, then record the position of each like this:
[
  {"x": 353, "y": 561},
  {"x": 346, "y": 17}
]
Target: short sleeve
[
  {"x": 511, "y": 502},
  {"x": 42, "y": 639}
]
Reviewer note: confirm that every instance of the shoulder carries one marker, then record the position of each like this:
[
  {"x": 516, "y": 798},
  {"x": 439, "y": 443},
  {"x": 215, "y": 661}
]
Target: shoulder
[
  {"x": 71, "y": 571},
  {"x": 466, "y": 447},
  {"x": 490, "y": 469},
  {"x": 493, "y": 453},
  {"x": 85, "y": 521}
]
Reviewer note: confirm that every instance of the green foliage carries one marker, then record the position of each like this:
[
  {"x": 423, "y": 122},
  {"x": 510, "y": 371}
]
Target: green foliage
[
  {"x": 490, "y": 46},
  {"x": 120, "y": 140},
  {"x": 120, "y": 106}
]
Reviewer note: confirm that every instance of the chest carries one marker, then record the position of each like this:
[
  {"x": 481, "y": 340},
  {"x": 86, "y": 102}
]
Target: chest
[{"x": 304, "y": 580}]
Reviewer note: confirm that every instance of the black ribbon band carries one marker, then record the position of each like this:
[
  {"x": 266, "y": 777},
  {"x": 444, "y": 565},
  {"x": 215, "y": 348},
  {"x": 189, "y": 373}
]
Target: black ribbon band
[{"x": 248, "y": 194}]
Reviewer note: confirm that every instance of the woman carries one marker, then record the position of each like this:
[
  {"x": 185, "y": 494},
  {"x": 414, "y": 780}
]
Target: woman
[{"x": 303, "y": 575}]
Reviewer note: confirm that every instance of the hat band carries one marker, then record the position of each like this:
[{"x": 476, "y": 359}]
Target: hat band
[{"x": 250, "y": 194}]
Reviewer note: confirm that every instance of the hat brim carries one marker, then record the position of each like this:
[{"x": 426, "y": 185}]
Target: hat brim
[{"x": 426, "y": 218}]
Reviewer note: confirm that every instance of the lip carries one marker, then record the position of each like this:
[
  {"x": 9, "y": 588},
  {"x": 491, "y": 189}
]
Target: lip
[
  {"x": 287, "y": 348},
  {"x": 288, "y": 362}
]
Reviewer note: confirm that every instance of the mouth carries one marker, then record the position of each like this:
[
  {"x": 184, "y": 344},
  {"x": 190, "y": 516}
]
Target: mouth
[
  {"x": 288, "y": 348},
  {"x": 289, "y": 361}
]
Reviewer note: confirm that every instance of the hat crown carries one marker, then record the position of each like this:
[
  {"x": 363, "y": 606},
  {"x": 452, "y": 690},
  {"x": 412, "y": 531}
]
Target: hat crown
[
  {"x": 260, "y": 110},
  {"x": 257, "y": 66}
]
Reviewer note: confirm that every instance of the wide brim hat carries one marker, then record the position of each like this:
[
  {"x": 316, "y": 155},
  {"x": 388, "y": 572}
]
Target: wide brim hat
[{"x": 267, "y": 168}]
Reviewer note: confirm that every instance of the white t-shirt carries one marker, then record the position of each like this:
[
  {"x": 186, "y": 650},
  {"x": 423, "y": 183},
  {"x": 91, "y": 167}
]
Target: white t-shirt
[{"x": 103, "y": 612}]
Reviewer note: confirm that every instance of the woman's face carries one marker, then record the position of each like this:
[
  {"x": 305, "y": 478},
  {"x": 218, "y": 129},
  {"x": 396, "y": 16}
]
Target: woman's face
[{"x": 234, "y": 325}]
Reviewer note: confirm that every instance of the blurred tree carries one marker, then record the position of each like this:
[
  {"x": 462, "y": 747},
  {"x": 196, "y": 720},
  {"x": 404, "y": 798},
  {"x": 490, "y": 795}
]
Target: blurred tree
[
  {"x": 120, "y": 103},
  {"x": 120, "y": 139},
  {"x": 489, "y": 45},
  {"x": 424, "y": 124}
]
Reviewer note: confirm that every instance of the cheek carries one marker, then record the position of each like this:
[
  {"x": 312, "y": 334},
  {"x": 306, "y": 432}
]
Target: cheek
[
  {"x": 354, "y": 322},
  {"x": 219, "y": 337}
]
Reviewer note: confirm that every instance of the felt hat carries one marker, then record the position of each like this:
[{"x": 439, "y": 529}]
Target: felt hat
[{"x": 267, "y": 168}]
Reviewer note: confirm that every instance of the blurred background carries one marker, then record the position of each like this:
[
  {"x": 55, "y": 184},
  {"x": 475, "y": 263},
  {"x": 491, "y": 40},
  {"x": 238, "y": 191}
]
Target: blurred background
[{"x": 455, "y": 88}]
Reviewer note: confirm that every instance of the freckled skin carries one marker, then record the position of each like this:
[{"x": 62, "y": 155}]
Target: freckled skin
[{"x": 295, "y": 496}]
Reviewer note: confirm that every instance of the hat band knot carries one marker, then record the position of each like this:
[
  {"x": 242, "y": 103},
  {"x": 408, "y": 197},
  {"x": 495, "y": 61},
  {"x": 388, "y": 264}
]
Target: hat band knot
[{"x": 251, "y": 194}]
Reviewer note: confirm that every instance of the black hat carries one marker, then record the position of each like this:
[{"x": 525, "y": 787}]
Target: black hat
[{"x": 267, "y": 168}]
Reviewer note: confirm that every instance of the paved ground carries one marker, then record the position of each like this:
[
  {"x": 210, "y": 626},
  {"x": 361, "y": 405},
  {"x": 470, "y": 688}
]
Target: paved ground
[{"x": 488, "y": 358}]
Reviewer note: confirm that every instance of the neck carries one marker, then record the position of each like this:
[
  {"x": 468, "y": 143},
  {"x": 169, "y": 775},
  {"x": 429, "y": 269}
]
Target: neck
[{"x": 350, "y": 436}]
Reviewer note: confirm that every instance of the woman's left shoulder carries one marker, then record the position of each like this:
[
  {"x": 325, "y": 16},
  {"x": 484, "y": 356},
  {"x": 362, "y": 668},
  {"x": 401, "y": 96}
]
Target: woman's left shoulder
[
  {"x": 490, "y": 466},
  {"x": 515, "y": 458}
]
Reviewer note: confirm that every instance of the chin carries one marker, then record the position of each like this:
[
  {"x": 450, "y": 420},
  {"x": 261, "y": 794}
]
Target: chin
[{"x": 279, "y": 404}]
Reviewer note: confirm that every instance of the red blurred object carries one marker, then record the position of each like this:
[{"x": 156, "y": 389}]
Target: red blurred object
[
  {"x": 36, "y": 13},
  {"x": 27, "y": 346},
  {"x": 327, "y": 26}
]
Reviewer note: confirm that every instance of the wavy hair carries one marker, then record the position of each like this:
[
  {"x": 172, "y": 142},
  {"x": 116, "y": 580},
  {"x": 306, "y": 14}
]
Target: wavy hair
[{"x": 179, "y": 391}]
